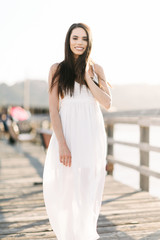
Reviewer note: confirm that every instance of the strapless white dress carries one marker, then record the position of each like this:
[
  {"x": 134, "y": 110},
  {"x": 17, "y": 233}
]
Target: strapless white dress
[{"x": 73, "y": 194}]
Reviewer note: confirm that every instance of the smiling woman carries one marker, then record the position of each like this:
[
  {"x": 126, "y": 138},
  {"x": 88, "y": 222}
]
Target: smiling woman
[
  {"x": 78, "y": 41},
  {"x": 74, "y": 171}
]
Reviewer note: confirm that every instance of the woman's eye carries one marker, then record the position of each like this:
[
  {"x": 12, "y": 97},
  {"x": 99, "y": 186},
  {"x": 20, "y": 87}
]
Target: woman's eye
[{"x": 84, "y": 39}]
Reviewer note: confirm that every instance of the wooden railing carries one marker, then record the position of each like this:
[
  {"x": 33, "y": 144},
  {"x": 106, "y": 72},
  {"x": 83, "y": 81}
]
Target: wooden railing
[{"x": 144, "y": 119}]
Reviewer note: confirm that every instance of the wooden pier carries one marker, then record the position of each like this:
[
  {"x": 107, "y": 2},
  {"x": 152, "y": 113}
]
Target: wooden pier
[{"x": 126, "y": 213}]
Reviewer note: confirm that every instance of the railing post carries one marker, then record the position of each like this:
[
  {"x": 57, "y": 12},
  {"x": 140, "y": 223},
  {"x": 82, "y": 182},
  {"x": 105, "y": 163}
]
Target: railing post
[
  {"x": 144, "y": 157},
  {"x": 110, "y": 134}
]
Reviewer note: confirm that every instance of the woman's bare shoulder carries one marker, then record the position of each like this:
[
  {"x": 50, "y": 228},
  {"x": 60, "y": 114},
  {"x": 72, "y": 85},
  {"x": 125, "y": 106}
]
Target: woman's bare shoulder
[
  {"x": 52, "y": 71},
  {"x": 53, "y": 67},
  {"x": 98, "y": 69}
]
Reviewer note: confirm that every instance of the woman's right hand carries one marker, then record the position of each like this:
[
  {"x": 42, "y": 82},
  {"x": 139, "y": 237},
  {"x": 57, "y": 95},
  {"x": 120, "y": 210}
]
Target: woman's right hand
[{"x": 65, "y": 155}]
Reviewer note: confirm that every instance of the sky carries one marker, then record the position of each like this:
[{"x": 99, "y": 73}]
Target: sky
[{"x": 126, "y": 37}]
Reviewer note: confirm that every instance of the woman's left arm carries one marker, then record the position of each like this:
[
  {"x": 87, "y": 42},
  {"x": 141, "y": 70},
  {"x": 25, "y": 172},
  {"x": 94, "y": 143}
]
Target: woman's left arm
[{"x": 102, "y": 93}]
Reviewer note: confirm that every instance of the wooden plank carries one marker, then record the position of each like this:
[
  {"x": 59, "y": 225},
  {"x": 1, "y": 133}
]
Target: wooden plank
[
  {"x": 142, "y": 169},
  {"x": 145, "y": 122},
  {"x": 110, "y": 150},
  {"x": 144, "y": 158},
  {"x": 146, "y": 147},
  {"x": 126, "y": 213}
]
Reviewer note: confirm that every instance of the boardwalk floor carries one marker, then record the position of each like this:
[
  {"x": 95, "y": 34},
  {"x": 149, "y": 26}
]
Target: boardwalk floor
[{"x": 125, "y": 214}]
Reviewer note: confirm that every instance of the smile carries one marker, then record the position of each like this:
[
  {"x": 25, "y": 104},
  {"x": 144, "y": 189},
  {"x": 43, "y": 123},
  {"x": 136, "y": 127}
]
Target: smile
[{"x": 79, "y": 48}]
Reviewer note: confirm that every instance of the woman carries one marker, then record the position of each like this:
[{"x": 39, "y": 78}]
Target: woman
[{"x": 74, "y": 171}]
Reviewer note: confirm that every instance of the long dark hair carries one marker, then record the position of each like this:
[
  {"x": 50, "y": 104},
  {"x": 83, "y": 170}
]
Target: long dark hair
[{"x": 70, "y": 69}]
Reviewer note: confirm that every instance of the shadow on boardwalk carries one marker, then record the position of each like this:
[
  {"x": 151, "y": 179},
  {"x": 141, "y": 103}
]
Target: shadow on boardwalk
[{"x": 126, "y": 213}]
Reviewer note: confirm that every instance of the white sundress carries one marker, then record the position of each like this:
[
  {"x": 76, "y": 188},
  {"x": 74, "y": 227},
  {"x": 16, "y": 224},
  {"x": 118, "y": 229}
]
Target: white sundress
[{"x": 73, "y": 194}]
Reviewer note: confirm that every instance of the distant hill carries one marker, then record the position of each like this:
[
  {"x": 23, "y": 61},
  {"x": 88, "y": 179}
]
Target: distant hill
[
  {"x": 125, "y": 97},
  {"x": 14, "y": 94}
]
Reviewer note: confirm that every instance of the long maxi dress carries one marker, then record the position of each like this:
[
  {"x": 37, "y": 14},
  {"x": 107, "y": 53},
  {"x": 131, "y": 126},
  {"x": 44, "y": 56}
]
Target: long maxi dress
[{"x": 73, "y": 195}]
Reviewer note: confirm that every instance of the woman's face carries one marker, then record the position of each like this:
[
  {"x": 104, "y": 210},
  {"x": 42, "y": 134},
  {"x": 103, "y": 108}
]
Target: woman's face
[{"x": 78, "y": 41}]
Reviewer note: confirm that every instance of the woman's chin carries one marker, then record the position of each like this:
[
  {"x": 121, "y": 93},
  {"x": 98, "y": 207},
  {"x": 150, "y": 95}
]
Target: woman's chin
[{"x": 78, "y": 54}]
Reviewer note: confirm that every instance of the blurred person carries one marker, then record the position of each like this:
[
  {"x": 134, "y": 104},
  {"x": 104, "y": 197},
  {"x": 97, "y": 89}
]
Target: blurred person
[
  {"x": 4, "y": 118},
  {"x": 74, "y": 171}
]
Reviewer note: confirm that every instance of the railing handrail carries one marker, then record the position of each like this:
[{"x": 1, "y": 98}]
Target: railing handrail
[
  {"x": 133, "y": 113},
  {"x": 144, "y": 119}
]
